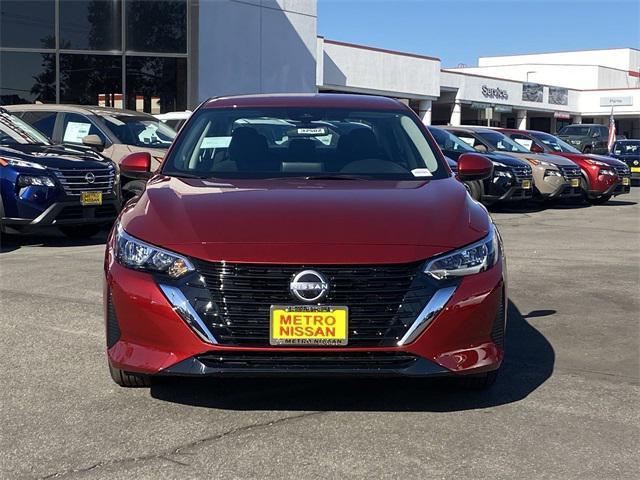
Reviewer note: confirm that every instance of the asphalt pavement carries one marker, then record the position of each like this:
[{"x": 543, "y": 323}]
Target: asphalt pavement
[{"x": 566, "y": 405}]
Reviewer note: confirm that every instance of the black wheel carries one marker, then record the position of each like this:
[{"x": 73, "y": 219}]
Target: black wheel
[
  {"x": 586, "y": 150},
  {"x": 129, "y": 380},
  {"x": 475, "y": 190},
  {"x": 480, "y": 381},
  {"x": 599, "y": 200},
  {"x": 133, "y": 189},
  {"x": 80, "y": 231}
]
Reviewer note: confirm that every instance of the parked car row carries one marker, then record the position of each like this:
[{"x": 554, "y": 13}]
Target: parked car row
[{"x": 534, "y": 165}]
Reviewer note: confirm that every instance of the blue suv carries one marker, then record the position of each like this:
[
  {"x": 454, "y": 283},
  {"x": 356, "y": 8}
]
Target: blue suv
[{"x": 41, "y": 184}]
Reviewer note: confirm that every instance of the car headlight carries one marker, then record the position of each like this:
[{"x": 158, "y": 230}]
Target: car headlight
[
  {"x": 606, "y": 171},
  {"x": 472, "y": 259},
  {"x": 138, "y": 255},
  {"x": 501, "y": 173},
  {"x": 596, "y": 162},
  {"x": 16, "y": 162},
  {"x": 499, "y": 164},
  {"x": 38, "y": 181},
  {"x": 552, "y": 173}
]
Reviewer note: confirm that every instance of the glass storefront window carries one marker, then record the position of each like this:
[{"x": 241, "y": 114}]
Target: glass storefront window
[
  {"x": 156, "y": 84},
  {"x": 91, "y": 24},
  {"x": 90, "y": 79},
  {"x": 27, "y": 77},
  {"x": 158, "y": 26},
  {"x": 27, "y": 24}
]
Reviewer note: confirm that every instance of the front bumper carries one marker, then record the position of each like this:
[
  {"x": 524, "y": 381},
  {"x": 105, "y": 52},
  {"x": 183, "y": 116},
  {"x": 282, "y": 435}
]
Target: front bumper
[
  {"x": 513, "y": 193},
  {"x": 146, "y": 335},
  {"x": 70, "y": 213}
]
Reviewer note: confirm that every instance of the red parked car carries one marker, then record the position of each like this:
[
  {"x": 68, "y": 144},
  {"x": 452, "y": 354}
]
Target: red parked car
[
  {"x": 602, "y": 177},
  {"x": 302, "y": 235}
]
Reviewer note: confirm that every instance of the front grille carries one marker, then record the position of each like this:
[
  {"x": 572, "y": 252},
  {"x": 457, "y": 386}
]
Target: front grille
[
  {"x": 622, "y": 170},
  {"x": 78, "y": 212},
  {"x": 383, "y": 300},
  {"x": 522, "y": 172},
  {"x": 569, "y": 172},
  {"x": 309, "y": 361},
  {"x": 74, "y": 181}
]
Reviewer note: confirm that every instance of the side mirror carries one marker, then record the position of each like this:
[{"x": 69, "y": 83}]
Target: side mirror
[
  {"x": 136, "y": 163},
  {"x": 93, "y": 141},
  {"x": 535, "y": 148},
  {"x": 595, "y": 134},
  {"x": 472, "y": 166},
  {"x": 480, "y": 148}
]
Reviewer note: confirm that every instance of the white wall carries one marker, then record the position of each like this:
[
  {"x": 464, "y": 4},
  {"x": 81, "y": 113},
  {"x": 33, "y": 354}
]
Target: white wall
[
  {"x": 256, "y": 46},
  {"x": 356, "y": 68},
  {"x": 590, "y": 102},
  {"x": 620, "y": 58}
]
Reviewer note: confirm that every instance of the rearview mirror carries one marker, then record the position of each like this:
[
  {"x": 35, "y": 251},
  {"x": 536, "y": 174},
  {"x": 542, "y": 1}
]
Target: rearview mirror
[
  {"x": 93, "y": 141},
  {"x": 472, "y": 166},
  {"x": 136, "y": 163}
]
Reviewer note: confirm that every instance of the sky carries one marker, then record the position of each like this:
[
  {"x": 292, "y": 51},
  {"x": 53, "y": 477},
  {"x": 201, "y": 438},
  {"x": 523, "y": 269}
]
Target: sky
[{"x": 460, "y": 31}]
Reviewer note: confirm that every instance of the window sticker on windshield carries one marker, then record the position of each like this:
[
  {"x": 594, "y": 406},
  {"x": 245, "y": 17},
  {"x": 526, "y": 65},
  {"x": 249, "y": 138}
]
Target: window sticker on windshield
[
  {"x": 215, "y": 142},
  {"x": 76, "y": 131},
  {"x": 526, "y": 143},
  {"x": 421, "y": 172},
  {"x": 312, "y": 131},
  {"x": 467, "y": 140}
]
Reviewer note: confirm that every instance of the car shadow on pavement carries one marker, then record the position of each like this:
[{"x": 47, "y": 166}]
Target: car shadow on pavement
[
  {"x": 528, "y": 364},
  {"x": 11, "y": 242}
]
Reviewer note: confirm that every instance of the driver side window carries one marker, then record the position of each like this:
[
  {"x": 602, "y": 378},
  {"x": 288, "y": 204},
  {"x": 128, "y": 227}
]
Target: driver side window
[{"x": 77, "y": 126}]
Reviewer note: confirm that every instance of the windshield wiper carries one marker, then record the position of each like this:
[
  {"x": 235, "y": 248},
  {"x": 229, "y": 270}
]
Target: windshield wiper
[{"x": 337, "y": 177}]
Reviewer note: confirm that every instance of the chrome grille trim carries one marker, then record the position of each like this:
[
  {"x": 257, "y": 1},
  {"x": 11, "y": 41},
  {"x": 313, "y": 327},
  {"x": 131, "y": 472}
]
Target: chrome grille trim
[
  {"x": 570, "y": 172},
  {"x": 522, "y": 173},
  {"x": 73, "y": 181},
  {"x": 622, "y": 171}
]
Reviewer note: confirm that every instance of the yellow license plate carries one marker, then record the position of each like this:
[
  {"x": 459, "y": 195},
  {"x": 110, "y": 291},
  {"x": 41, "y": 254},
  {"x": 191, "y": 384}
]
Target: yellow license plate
[
  {"x": 625, "y": 181},
  {"x": 309, "y": 325},
  {"x": 575, "y": 182},
  {"x": 526, "y": 184},
  {"x": 91, "y": 198},
  {"x": 635, "y": 169}
]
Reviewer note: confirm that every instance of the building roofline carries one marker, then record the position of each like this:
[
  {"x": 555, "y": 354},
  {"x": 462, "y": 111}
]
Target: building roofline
[
  {"x": 381, "y": 50},
  {"x": 447, "y": 70},
  {"x": 562, "y": 51},
  {"x": 533, "y": 64}
]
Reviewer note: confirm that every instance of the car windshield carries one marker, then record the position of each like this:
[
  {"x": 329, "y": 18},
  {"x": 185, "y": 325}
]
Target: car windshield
[
  {"x": 628, "y": 147},
  {"x": 501, "y": 142},
  {"x": 555, "y": 144},
  {"x": 576, "y": 130},
  {"x": 449, "y": 142},
  {"x": 301, "y": 142},
  {"x": 140, "y": 131},
  {"x": 13, "y": 130}
]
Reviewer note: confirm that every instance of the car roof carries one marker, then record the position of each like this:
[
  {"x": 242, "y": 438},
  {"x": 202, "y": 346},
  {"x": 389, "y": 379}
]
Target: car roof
[
  {"x": 311, "y": 100},
  {"x": 585, "y": 125},
  {"x": 468, "y": 128},
  {"x": 60, "y": 107}
]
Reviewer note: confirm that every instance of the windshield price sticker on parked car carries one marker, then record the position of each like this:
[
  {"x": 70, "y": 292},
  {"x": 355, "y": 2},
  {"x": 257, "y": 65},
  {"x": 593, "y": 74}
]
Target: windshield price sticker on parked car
[{"x": 309, "y": 325}]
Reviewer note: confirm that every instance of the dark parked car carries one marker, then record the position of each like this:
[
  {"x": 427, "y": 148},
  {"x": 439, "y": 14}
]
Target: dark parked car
[
  {"x": 114, "y": 132},
  {"x": 41, "y": 184},
  {"x": 628, "y": 151},
  {"x": 512, "y": 179},
  {"x": 346, "y": 248},
  {"x": 586, "y": 137}
]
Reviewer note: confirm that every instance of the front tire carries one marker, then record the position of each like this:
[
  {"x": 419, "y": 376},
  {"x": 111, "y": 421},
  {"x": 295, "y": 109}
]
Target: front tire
[
  {"x": 80, "y": 231},
  {"x": 586, "y": 150},
  {"x": 133, "y": 189},
  {"x": 129, "y": 380}
]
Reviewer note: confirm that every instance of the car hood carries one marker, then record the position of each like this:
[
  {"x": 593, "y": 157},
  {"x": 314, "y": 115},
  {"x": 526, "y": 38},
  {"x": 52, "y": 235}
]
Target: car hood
[
  {"x": 502, "y": 158},
  {"x": 55, "y": 156},
  {"x": 546, "y": 157},
  {"x": 580, "y": 158},
  {"x": 297, "y": 221}
]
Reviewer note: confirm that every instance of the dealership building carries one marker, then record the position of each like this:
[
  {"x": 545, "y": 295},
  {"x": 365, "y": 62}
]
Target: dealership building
[{"x": 166, "y": 55}]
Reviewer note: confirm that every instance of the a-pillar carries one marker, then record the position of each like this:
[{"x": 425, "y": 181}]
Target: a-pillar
[
  {"x": 424, "y": 110},
  {"x": 456, "y": 114},
  {"x": 521, "y": 119}
]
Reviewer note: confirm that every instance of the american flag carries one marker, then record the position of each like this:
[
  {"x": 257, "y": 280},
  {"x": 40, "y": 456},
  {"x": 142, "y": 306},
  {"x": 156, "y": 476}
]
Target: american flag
[{"x": 612, "y": 132}]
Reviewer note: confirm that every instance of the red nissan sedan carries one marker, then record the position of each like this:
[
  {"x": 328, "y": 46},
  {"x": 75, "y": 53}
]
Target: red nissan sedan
[{"x": 305, "y": 235}]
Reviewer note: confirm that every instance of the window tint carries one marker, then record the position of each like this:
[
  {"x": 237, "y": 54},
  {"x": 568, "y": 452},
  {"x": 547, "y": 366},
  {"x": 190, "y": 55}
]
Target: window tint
[
  {"x": 27, "y": 24},
  {"x": 42, "y": 121},
  {"x": 77, "y": 126},
  {"x": 27, "y": 77},
  {"x": 141, "y": 131},
  {"x": 157, "y": 26},
  {"x": 449, "y": 142},
  {"x": 577, "y": 130},
  {"x": 90, "y": 24}
]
